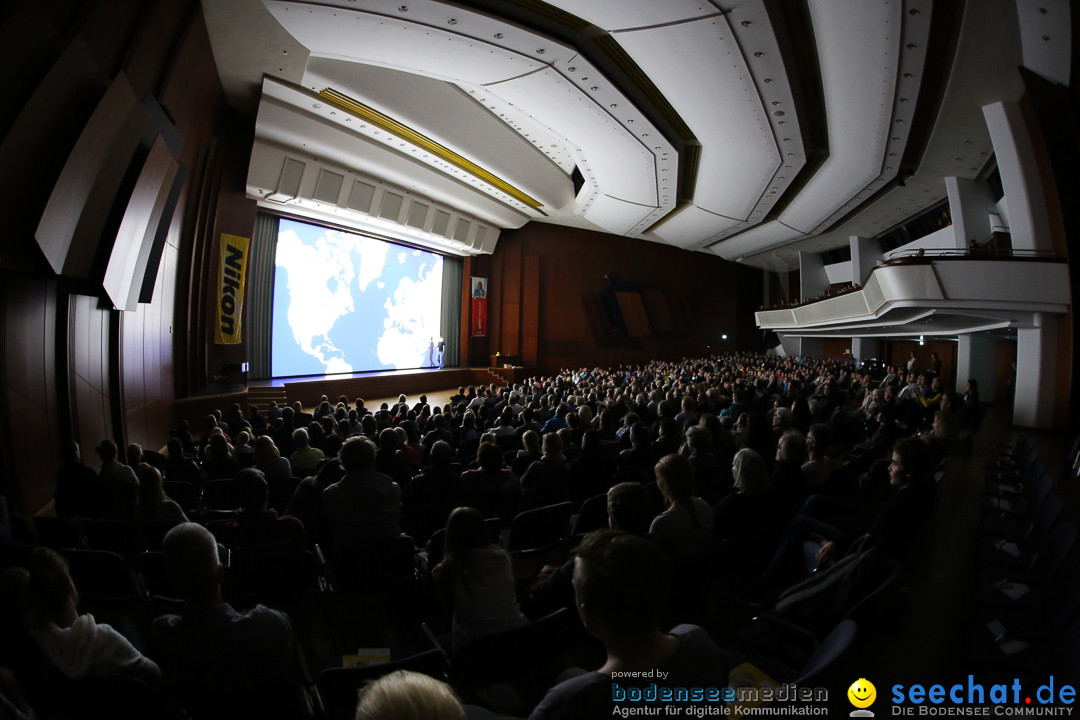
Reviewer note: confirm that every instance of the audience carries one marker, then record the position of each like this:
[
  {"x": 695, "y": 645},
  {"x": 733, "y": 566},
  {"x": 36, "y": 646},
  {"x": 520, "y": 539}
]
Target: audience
[{"x": 220, "y": 662}]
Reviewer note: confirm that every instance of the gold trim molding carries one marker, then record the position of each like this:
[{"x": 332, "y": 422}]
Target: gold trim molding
[{"x": 400, "y": 130}]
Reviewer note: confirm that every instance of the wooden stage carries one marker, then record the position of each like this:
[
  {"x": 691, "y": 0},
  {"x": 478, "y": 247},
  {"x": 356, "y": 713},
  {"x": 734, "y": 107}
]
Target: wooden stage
[{"x": 374, "y": 387}]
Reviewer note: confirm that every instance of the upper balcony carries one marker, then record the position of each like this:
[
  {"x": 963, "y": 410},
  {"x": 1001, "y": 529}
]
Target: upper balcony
[{"x": 934, "y": 291}]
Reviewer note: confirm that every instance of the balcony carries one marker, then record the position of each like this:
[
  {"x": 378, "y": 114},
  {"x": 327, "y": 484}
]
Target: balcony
[{"x": 934, "y": 291}]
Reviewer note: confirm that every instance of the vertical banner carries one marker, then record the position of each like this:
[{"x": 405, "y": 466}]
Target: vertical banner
[
  {"x": 230, "y": 289},
  {"x": 479, "y": 307}
]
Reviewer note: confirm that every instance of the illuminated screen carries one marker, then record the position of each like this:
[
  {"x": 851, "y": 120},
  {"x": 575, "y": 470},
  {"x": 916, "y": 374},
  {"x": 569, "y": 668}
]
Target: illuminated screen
[{"x": 348, "y": 303}]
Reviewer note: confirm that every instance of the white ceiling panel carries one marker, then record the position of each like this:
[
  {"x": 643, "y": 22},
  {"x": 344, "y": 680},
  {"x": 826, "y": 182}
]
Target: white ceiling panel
[
  {"x": 486, "y": 138},
  {"x": 711, "y": 92},
  {"x": 727, "y": 105},
  {"x": 401, "y": 43},
  {"x": 693, "y": 226},
  {"x": 844, "y": 29},
  {"x": 620, "y": 163},
  {"x": 614, "y": 215},
  {"x": 636, "y": 13}
]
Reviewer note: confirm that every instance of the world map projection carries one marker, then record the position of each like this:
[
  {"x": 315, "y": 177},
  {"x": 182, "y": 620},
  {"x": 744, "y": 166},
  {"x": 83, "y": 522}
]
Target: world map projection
[{"x": 347, "y": 303}]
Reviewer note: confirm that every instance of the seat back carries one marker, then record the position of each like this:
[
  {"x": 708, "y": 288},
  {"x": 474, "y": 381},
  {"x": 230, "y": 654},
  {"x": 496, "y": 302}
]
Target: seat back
[
  {"x": 828, "y": 651},
  {"x": 534, "y": 650},
  {"x": 592, "y": 516},
  {"x": 101, "y": 575},
  {"x": 56, "y": 533},
  {"x": 184, "y": 494},
  {"x": 338, "y": 687},
  {"x": 540, "y": 529},
  {"x": 220, "y": 495},
  {"x": 274, "y": 577},
  {"x": 373, "y": 566},
  {"x": 112, "y": 535}
]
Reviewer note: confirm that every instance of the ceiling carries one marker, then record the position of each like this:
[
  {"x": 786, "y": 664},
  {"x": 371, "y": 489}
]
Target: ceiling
[{"x": 752, "y": 129}]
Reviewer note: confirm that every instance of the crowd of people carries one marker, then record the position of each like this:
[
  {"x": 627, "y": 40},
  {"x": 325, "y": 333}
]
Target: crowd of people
[{"x": 749, "y": 470}]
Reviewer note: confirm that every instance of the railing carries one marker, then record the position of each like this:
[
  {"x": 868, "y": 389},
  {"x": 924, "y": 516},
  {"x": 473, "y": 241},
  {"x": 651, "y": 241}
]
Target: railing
[{"x": 929, "y": 255}]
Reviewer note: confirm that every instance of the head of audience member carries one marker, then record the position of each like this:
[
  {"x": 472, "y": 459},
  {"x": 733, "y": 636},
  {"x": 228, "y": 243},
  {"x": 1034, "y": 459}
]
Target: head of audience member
[
  {"x": 750, "y": 476},
  {"x": 818, "y": 440},
  {"x": 407, "y": 695},
  {"x": 675, "y": 478},
  {"x": 151, "y": 488},
  {"x": 465, "y": 532},
  {"x": 134, "y": 454},
  {"x": 910, "y": 464},
  {"x": 191, "y": 556},
  {"x": 620, "y": 584},
  {"x": 630, "y": 508},
  {"x": 175, "y": 448},
  {"x": 699, "y": 439},
  {"x": 251, "y": 490},
  {"x": 71, "y": 453},
  {"x": 442, "y": 455},
  {"x": 301, "y": 439},
  {"x": 107, "y": 451},
  {"x": 489, "y": 457},
  {"x": 791, "y": 448},
  {"x": 357, "y": 455},
  {"x": 51, "y": 596},
  {"x": 552, "y": 447},
  {"x": 265, "y": 449}
]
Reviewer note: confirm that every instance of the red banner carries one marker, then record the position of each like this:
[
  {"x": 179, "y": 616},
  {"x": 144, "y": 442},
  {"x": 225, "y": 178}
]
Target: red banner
[{"x": 478, "y": 326}]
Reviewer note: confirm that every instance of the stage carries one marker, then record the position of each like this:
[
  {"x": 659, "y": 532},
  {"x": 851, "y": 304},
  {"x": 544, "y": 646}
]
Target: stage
[{"x": 374, "y": 387}]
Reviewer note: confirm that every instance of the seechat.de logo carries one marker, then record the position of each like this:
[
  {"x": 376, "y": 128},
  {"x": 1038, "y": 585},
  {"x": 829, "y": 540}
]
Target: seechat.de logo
[{"x": 862, "y": 694}]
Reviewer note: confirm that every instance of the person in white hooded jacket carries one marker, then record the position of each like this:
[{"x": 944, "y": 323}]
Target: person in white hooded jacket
[{"x": 76, "y": 645}]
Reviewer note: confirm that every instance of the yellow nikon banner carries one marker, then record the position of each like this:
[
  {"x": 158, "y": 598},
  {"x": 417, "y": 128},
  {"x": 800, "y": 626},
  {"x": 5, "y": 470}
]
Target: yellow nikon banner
[{"x": 230, "y": 289}]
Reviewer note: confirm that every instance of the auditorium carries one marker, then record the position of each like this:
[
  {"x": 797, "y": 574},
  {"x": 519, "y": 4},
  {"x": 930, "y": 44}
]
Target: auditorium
[{"x": 438, "y": 358}]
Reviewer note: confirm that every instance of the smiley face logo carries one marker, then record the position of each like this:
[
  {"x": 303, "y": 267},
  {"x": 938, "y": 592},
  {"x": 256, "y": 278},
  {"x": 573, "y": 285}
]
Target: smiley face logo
[{"x": 862, "y": 693}]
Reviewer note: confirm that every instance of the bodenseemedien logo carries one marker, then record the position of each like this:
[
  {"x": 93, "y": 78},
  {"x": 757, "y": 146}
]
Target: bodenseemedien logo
[{"x": 862, "y": 694}]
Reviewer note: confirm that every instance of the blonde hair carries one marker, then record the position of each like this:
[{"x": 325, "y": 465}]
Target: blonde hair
[{"x": 406, "y": 695}]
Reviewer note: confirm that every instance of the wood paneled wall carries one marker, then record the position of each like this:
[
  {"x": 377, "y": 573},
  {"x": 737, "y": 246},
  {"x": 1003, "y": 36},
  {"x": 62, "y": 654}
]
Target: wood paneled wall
[
  {"x": 548, "y": 286},
  {"x": 72, "y": 366}
]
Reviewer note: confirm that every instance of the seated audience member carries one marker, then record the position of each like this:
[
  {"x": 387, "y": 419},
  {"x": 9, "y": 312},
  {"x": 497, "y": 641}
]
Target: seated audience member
[
  {"x": 491, "y": 487},
  {"x": 307, "y": 500},
  {"x": 743, "y": 519},
  {"x": 219, "y": 461},
  {"x": 476, "y": 579},
  {"x": 685, "y": 528},
  {"x": 306, "y": 459},
  {"x": 244, "y": 450},
  {"x": 529, "y": 453},
  {"x": 179, "y": 466},
  {"x": 620, "y": 584},
  {"x": 547, "y": 480},
  {"x": 268, "y": 459},
  {"x": 255, "y": 523},
  {"x": 77, "y": 489},
  {"x": 154, "y": 504},
  {"x": 390, "y": 461},
  {"x": 430, "y": 496},
  {"x": 712, "y": 479},
  {"x": 364, "y": 505},
  {"x": 76, "y": 645},
  {"x": 629, "y": 508},
  {"x": 406, "y": 695},
  {"x": 635, "y": 464},
  {"x": 118, "y": 483},
  {"x": 221, "y": 663},
  {"x": 787, "y": 486},
  {"x": 818, "y": 465},
  {"x": 826, "y": 526},
  {"x": 591, "y": 471}
]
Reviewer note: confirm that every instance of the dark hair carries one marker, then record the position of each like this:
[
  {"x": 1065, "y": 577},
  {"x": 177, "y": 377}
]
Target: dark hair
[
  {"x": 630, "y": 508},
  {"x": 623, "y": 578}
]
